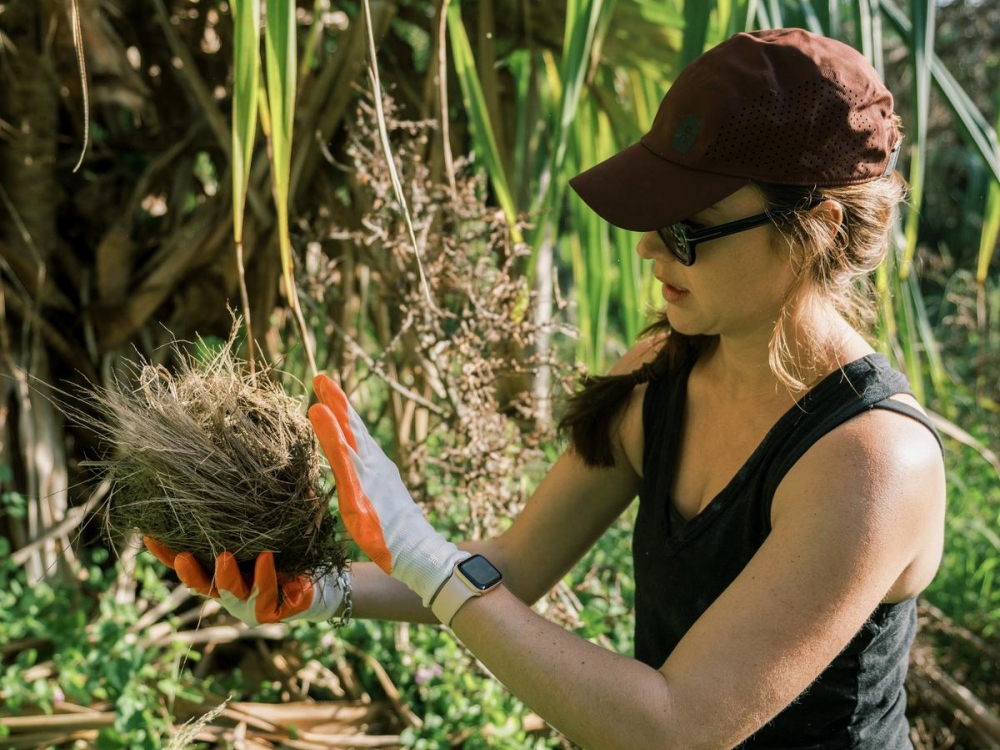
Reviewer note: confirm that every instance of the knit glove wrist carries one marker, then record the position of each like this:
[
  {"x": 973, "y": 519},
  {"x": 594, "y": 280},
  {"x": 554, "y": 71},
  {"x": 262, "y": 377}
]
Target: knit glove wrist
[{"x": 375, "y": 506}]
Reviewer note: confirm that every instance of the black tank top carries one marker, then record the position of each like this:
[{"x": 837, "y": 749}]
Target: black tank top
[{"x": 681, "y": 567}]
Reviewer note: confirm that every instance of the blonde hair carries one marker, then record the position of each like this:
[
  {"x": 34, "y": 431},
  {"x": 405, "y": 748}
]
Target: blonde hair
[{"x": 834, "y": 264}]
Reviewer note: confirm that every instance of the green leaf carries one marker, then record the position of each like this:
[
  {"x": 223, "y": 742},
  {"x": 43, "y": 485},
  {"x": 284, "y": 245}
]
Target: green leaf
[
  {"x": 479, "y": 118},
  {"x": 863, "y": 22},
  {"x": 774, "y": 12},
  {"x": 991, "y": 228},
  {"x": 813, "y": 22},
  {"x": 579, "y": 38},
  {"x": 922, "y": 51},
  {"x": 280, "y": 49},
  {"x": 246, "y": 82},
  {"x": 972, "y": 124},
  {"x": 696, "y": 17}
]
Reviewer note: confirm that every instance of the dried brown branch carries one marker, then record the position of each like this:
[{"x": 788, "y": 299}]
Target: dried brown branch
[
  {"x": 35, "y": 740},
  {"x": 74, "y": 517},
  {"x": 193, "y": 245},
  {"x": 942, "y": 622},
  {"x": 62, "y": 723},
  {"x": 325, "y": 724},
  {"x": 325, "y": 104},
  {"x": 388, "y": 686},
  {"x": 30, "y": 316},
  {"x": 958, "y": 701},
  {"x": 223, "y": 634}
]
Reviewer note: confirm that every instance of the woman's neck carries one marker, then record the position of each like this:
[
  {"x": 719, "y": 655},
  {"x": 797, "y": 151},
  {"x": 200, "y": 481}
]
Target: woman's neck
[{"x": 741, "y": 367}]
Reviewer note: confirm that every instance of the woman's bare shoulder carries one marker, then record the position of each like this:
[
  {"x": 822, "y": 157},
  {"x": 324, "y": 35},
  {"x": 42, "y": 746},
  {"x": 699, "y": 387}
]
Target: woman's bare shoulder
[{"x": 643, "y": 352}]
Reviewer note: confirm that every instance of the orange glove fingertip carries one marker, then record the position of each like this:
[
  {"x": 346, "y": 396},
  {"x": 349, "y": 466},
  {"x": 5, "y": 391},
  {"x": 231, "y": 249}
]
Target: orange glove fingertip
[
  {"x": 319, "y": 386},
  {"x": 265, "y": 579},
  {"x": 160, "y": 551},
  {"x": 330, "y": 429},
  {"x": 228, "y": 576},
  {"x": 297, "y": 597},
  {"x": 192, "y": 575}
]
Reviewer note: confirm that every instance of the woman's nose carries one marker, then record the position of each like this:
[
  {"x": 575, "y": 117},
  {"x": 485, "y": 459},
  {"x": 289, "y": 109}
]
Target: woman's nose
[{"x": 651, "y": 246}]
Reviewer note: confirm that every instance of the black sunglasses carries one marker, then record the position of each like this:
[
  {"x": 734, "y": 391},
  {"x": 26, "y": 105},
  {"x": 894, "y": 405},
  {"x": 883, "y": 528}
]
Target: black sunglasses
[{"x": 682, "y": 238}]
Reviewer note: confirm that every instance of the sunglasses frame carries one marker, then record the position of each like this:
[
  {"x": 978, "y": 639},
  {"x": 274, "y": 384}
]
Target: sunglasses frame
[{"x": 681, "y": 235}]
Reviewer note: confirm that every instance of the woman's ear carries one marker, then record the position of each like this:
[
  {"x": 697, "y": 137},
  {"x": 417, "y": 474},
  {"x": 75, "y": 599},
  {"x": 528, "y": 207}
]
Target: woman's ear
[{"x": 832, "y": 214}]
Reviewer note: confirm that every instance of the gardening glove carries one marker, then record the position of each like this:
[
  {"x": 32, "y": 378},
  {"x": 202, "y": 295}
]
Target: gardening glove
[
  {"x": 376, "y": 508},
  {"x": 268, "y": 597}
]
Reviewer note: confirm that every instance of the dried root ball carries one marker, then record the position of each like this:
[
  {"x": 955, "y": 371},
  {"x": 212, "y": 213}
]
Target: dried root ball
[{"x": 209, "y": 459}]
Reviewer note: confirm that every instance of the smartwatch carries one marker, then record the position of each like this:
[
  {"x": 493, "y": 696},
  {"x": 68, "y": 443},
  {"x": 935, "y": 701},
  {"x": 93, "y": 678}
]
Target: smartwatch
[{"x": 472, "y": 577}]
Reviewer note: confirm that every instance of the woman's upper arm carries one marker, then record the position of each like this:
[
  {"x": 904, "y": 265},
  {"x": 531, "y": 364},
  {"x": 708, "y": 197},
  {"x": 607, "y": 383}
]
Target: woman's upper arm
[
  {"x": 572, "y": 507},
  {"x": 575, "y": 503},
  {"x": 857, "y": 509}
]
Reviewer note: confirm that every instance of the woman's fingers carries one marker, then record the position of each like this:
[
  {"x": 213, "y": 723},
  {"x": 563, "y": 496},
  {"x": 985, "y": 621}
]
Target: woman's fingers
[
  {"x": 189, "y": 570},
  {"x": 265, "y": 580},
  {"x": 228, "y": 576},
  {"x": 356, "y": 509},
  {"x": 193, "y": 576},
  {"x": 297, "y": 597},
  {"x": 333, "y": 397},
  {"x": 160, "y": 551}
]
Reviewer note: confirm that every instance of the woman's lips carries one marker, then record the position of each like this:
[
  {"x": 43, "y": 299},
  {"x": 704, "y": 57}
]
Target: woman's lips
[{"x": 672, "y": 293}]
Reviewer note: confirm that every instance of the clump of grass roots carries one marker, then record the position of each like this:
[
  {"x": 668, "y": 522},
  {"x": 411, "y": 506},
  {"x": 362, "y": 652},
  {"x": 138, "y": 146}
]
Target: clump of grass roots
[{"x": 211, "y": 457}]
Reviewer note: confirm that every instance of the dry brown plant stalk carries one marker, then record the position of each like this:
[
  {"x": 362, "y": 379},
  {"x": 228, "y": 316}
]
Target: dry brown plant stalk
[
  {"x": 450, "y": 380},
  {"x": 210, "y": 458}
]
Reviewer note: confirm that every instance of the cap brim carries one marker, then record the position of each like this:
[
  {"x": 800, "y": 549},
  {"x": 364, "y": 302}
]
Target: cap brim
[{"x": 637, "y": 190}]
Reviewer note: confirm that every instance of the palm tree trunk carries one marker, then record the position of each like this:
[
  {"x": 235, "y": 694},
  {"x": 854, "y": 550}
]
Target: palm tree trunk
[{"x": 31, "y": 433}]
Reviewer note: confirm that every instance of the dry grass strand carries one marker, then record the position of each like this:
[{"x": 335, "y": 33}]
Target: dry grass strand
[{"x": 211, "y": 458}]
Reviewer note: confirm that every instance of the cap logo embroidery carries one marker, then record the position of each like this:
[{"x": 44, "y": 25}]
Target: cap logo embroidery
[{"x": 686, "y": 134}]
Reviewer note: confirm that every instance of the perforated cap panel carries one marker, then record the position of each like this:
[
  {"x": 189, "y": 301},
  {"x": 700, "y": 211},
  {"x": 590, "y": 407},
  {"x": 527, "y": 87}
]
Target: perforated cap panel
[{"x": 797, "y": 136}]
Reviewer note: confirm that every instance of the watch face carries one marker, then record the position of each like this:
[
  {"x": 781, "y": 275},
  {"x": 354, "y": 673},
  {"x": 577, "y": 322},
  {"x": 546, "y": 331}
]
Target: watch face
[{"x": 480, "y": 572}]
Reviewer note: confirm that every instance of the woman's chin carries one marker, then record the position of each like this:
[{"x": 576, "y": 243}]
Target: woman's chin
[{"x": 681, "y": 323}]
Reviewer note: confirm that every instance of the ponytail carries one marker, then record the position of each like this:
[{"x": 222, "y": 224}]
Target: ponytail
[{"x": 593, "y": 413}]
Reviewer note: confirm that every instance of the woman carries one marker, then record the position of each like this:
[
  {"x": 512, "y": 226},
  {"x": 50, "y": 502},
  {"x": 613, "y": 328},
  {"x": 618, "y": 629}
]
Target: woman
[{"x": 791, "y": 490}]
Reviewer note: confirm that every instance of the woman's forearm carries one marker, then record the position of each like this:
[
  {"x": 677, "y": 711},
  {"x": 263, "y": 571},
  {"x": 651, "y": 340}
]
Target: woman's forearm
[
  {"x": 377, "y": 596},
  {"x": 599, "y": 699}
]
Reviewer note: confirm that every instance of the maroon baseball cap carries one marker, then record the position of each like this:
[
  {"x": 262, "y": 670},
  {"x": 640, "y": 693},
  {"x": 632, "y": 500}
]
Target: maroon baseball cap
[{"x": 783, "y": 106}]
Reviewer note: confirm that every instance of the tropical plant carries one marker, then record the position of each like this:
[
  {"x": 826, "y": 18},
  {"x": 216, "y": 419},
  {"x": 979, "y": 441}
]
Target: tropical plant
[{"x": 152, "y": 239}]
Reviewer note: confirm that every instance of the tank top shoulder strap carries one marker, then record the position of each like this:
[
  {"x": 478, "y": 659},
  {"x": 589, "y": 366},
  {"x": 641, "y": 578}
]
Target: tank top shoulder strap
[
  {"x": 862, "y": 385},
  {"x": 913, "y": 413}
]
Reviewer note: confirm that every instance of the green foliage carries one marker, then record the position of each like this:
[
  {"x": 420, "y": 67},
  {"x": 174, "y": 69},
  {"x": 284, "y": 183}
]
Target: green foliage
[
  {"x": 967, "y": 586},
  {"x": 605, "y": 585},
  {"x": 94, "y": 656},
  {"x": 447, "y": 688},
  {"x": 442, "y": 684},
  {"x": 593, "y": 99},
  {"x": 12, "y": 503},
  {"x": 87, "y": 652}
]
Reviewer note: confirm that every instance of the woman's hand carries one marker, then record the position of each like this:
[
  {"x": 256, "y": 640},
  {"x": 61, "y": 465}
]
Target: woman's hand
[
  {"x": 377, "y": 511},
  {"x": 376, "y": 508},
  {"x": 267, "y": 597}
]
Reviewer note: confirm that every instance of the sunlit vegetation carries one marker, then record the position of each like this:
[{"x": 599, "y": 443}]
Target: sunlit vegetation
[{"x": 489, "y": 108}]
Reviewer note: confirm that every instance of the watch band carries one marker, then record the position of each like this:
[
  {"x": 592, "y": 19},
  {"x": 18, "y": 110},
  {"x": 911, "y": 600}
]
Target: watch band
[
  {"x": 471, "y": 577},
  {"x": 451, "y": 597}
]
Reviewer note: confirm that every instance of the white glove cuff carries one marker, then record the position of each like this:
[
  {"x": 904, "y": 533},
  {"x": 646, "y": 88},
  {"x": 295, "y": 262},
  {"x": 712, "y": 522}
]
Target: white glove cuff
[
  {"x": 426, "y": 569},
  {"x": 328, "y": 595}
]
